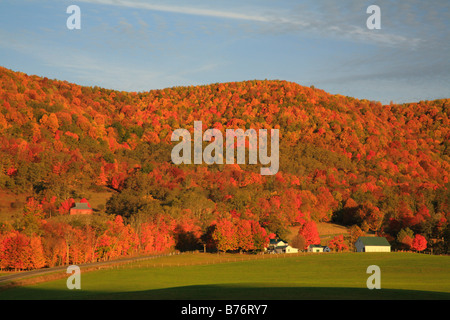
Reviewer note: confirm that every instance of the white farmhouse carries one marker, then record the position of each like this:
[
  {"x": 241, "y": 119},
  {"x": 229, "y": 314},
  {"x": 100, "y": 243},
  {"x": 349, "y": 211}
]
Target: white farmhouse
[
  {"x": 372, "y": 244},
  {"x": 279, "y": 246}
]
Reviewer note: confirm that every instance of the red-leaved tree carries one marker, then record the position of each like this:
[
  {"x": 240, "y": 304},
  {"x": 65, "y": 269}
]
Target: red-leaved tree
[
  {"x": 338, "y": 243},
  {"x": 419, "y": 243},
  {"x": 309, "y": 233}
]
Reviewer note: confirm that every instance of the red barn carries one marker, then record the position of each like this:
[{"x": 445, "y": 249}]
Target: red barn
[{"x": 81, "y": 208}]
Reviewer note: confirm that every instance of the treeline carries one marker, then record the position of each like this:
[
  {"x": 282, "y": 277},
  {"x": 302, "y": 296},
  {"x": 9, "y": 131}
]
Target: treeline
[{"x": 36, "y": 241}]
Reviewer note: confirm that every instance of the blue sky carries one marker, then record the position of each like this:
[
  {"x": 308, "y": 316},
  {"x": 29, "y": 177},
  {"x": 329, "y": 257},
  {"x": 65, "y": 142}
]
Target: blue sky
[{"x": 137, "y": 45}]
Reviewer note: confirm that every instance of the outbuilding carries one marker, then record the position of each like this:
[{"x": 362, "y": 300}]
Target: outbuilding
[
  {"x": 81, "y": 208},
  {"x": 372, "y": 244},
  {"x": 315, "y": 248}
]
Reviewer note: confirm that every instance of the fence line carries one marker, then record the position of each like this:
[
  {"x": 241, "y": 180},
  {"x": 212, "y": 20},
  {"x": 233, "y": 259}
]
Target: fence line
[{"x": 241, "y": 258}]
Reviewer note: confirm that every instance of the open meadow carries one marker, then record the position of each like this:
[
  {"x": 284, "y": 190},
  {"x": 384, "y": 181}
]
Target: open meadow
[{"x": 253, "y": 277}]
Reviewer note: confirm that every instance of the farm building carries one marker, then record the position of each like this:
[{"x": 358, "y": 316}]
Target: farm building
[
  {"x": 81, "y": 208},
  {"x": 318, "y": 248},
  {"x": 315, "y": 248},
  {"x": 288, "y": 249},
  {"x": 372, "y": 244},
  {"x": 279, "y": 246}
]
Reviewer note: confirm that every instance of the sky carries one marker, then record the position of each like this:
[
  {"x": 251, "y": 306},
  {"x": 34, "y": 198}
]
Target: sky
[{"x": 137, "y": 45}]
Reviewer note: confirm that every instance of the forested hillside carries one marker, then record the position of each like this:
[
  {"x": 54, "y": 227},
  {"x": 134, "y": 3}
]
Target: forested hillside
[{"x": 372, "y": 167}]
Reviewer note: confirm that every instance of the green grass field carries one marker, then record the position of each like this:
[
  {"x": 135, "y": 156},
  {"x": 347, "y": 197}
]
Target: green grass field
[{"x": 313, "y": 276}]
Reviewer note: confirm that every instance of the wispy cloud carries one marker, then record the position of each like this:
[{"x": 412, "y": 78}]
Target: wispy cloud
[
  {"x": 182, "y": 10},
  {"x": 327, "y": 20}
]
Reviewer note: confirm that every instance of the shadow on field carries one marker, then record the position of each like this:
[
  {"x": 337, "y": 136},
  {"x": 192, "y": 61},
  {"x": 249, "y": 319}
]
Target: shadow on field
[{"x": 226, "y": 292}]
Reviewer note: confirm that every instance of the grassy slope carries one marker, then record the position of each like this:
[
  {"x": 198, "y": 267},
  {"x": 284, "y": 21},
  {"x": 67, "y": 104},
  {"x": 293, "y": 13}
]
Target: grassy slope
[{"x": 326, "y": 276}]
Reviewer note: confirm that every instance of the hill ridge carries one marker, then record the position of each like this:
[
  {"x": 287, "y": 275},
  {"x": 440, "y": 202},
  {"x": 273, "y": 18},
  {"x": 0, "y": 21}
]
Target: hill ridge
[{"x": 61, "y": 140}]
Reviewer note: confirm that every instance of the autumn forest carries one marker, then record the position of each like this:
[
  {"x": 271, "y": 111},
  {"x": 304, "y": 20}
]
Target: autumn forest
[{"x": 373, "y": 168}]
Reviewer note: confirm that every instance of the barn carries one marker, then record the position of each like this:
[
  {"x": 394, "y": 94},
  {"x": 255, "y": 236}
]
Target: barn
[
  {"x": 372, "y": 244},
  {"x": 81, "y": 208}
]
